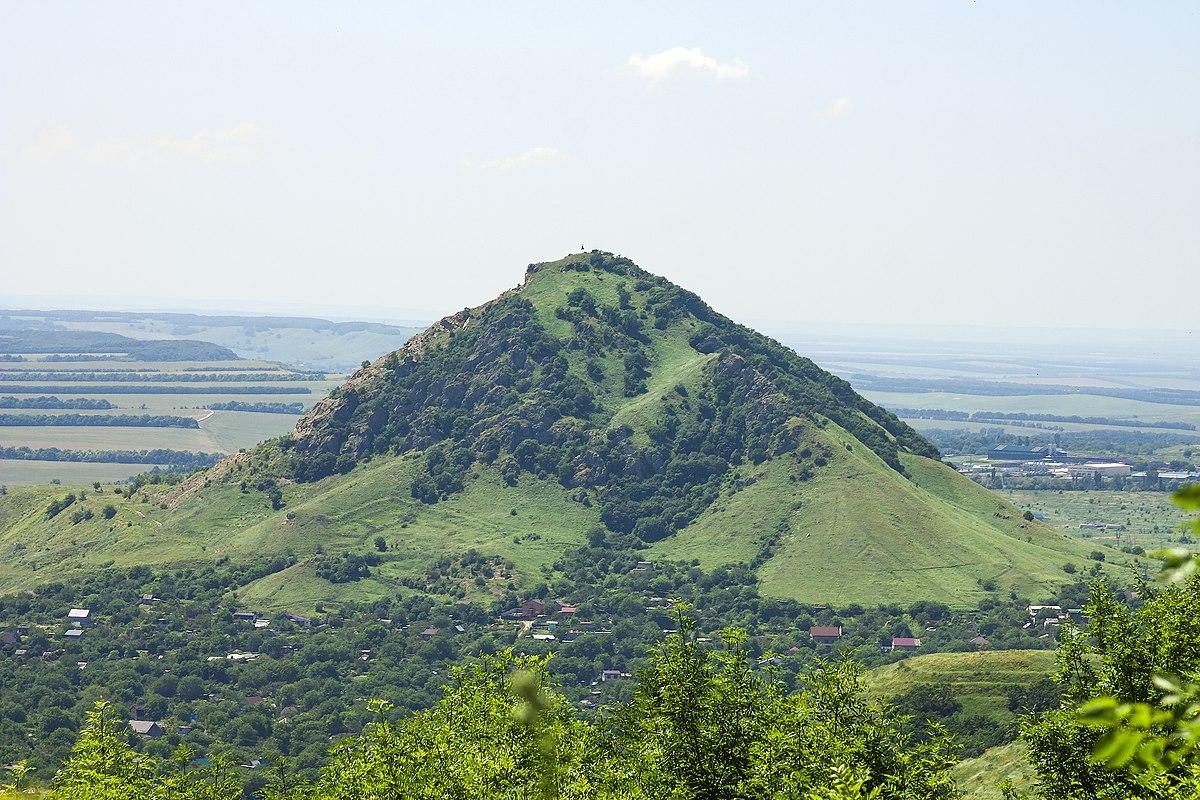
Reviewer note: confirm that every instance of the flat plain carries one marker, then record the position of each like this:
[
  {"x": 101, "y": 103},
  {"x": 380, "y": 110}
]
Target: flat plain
[{"x": 270, "y": 350}]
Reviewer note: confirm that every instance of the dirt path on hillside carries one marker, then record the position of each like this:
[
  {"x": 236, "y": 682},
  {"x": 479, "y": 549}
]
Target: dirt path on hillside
[{"x": 143, "y": 514}]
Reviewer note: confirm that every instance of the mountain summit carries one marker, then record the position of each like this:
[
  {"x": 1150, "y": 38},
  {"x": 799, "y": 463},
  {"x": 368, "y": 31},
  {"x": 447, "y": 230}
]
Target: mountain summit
[{"x": 623, "y": 387}]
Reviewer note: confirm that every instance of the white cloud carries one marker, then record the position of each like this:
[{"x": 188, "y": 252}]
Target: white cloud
[
  {"x": 680, "y": 61},
  {"x": 239, "y": 143},
  {"x": 839, "y": 107},
  {"x": 534, "y": 155}
]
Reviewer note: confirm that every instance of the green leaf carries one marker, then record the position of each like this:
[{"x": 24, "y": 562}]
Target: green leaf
[
  {"x": 1117, "y": 748},
  {"x": 1188, "y": 498},
  {"x": 1101, "y": 711}
]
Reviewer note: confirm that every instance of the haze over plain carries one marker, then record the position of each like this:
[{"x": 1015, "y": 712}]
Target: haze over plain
[{"x": 1012, "y": 165}]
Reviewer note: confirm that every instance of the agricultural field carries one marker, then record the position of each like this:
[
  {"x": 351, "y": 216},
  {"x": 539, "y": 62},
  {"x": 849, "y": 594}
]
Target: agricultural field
[
  {"x": 99, "y": 397},
  {"x": 1151, "y": 521},
  {"x": 1072, "y": 404},
  {"x": 215, "y": 432},
  {"x": 17, "y": 473},
  {"x": 1144, "y": 377}
]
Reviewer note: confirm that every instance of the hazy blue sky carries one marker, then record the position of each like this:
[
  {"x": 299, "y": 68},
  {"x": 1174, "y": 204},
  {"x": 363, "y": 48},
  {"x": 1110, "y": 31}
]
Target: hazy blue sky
[{"x": 998, "y": 162}]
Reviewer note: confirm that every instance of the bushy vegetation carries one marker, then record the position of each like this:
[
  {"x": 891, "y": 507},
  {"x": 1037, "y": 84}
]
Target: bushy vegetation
[
  {"x": 1128, "y": 724},
  {"x": 344, "y": 567},
  {"x": 169, "y": 657}
]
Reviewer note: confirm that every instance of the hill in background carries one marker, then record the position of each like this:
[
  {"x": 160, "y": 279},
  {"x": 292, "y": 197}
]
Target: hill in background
[
  {"x": 308, "y": 342},
  {"x": 594, "y": 400}
]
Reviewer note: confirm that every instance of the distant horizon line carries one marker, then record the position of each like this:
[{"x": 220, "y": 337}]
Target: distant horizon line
[{"x": 408, "y": 317}]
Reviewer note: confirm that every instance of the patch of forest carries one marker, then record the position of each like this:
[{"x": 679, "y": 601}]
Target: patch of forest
[{"x": 258, "y": 408}]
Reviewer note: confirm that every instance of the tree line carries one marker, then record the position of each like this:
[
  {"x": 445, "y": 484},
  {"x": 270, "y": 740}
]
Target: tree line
[
  {"x": 183, "y": 459},
  {"x": 100, "y": 420},
  {"x": 259, "y": 408},
  {"x": 50, "y": 401}
]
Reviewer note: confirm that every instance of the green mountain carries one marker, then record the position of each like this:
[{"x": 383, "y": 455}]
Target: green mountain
[{"x": 595, "y": 399}]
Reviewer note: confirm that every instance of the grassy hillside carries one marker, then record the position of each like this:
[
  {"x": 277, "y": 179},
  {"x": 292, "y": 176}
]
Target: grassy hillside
[
  {"x": 987, "y": 674},
  {"x": 333, "y": 516},
  {"x": 978, "y": 777},
  {"x": 856, "y": 533},
  {"x": 980, "y": 682}
]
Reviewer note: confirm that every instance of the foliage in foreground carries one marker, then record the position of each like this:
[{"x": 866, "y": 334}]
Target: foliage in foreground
[
  {"x": 702, "y": 724},
  {"x": 1131, "y": 724}
]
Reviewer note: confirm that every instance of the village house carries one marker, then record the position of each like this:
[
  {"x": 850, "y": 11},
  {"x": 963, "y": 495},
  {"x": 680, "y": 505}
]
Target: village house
[
  {"x": 534, "y": 608},
  {"x": 825, "y": 634},
  {"x": 904, "y": 643},
  {"x": 145, "y": 728},
  {"x": 79, "y": 617}
]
